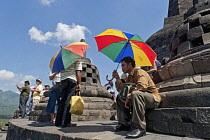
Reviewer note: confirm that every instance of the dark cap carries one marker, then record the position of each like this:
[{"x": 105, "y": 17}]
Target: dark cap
[{"x": 82, "y": 40}]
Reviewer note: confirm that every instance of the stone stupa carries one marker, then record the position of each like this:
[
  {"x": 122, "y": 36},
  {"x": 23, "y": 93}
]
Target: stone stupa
[
  {"x": 97, "y": 100},
  {"x": 184, "y": 81}
]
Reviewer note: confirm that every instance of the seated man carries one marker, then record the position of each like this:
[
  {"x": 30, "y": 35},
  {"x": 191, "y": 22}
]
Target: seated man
[{"x": 144, "y": 95}]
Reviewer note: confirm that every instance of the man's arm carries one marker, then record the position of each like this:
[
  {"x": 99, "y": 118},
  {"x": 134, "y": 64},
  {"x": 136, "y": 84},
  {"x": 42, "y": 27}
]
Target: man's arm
[
  {"x": 19, "y": 88},
  {"x": 153, "y": 69},
  {"x": 78, "y": 70},
  {"x": 118, "y": 82},
  {"x": 79, "y": 79},
  {"x": 51, "y": 77}
]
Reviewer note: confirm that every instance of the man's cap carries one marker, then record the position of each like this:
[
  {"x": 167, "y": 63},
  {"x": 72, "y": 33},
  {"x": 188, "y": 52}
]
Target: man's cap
[
  {"x": 40, "y": 80},
  {"x": 82, "y": 40}
]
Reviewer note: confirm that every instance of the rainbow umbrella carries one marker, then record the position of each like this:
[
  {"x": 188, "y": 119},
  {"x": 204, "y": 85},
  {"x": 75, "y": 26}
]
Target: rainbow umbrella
[
  {"x": 118, "y": 44},
  {"x": 66, "y": 56}
]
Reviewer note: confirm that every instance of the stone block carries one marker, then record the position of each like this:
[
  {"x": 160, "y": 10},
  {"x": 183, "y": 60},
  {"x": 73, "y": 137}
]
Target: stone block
[
  {"x": 164, "y": 73},
  {"x": 41, "y": 106},
  {"x": 194, "y": 33},
  {"x": 205, "y": 80},
  {"x": 206, "y": 38},
  {"x": 94, "y": 112},
  {"x": 201, "y": 65},
  {"x": 184, "y": 47},
  {"x": 175, "y": 43},
  {"x": 194, "y": 18},
  {"x": 182, "y": 29},
  {"x": 188, "y": 115},
  {"x": 203, "y": 115},
  {"x": 170, "y": 85},
  {"x": 201, "y": 130},
  {"x": 84, "y": 74},
  {"x": 89, "y": 70},
  {"x": 170, "y": 115},
  {"x": 89, "y": 80},
  {"x": 204, "y": 19},
  {"x": 182, "y": 129},
  {"x": 153, "y": 115},
  {"x": 172, "y": 69},
  {"x": 193, "y": 82},
  {"x": 160, "y": 127},
  {"x": 198, "y": 97},
  {"x": 184, "y": 68},
  {"x": 156, "y": 78}
]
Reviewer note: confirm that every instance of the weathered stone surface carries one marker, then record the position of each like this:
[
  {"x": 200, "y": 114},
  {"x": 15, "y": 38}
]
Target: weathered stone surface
[
  {"x": 205, "y": 38},
  {"x": 194, "y": 33},
  {"x": 164, "y": 73},
  {"x": 175, "y": 43},
  {"x": 194, "y": 18},
  {"x": 197, "y": 97},
  {"x": 206, "y": 80},
  {"x": 41, "y": 106},
  {"x": 182, "y": 29},
  {"x": 201, "y": 65},
  {"x": 205, "y": 19},
  {"x": 184, "y": 47},
  {"x": 203, "y": 115},
  {"x": 202, "y": 130}
]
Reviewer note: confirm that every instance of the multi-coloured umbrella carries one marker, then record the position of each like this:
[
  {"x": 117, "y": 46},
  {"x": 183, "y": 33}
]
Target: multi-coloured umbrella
[
  {"x": 118, "y": 44},
  {"x": 67, "y": 56}
]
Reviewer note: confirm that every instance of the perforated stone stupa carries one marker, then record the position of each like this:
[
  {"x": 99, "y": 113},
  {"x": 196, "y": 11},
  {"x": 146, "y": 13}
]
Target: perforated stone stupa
[{"x": 97, "y": 99}]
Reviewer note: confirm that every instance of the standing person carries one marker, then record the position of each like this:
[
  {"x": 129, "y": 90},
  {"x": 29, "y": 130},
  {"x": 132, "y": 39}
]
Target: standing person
[
  {"x": 70, "y": 81},
  {"x": 54, "y": 96},
  {"x": 143, "y": 96},
  {"x": 24, "y": 95},
  {"x": 37, "y": 93}
]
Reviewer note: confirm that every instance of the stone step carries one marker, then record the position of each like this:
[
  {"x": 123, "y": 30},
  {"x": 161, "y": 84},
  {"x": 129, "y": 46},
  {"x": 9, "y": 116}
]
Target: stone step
[
  {"x": 186, "y": 82},
  {"x": 197, "y": 97},
  {"x": 89, "y": 103},
  {"x": 183, "y": 121}
]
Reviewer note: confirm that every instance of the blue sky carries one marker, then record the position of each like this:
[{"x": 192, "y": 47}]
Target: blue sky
[{"x": 32, "y": 31}]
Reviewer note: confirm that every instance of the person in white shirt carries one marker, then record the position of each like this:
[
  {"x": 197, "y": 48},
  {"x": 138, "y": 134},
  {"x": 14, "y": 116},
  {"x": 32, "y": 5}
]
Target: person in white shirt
[
  {"x": 55, "y": 91},
  {"x": 70, "y": 82},
  {"x": 37, "y": 93}
]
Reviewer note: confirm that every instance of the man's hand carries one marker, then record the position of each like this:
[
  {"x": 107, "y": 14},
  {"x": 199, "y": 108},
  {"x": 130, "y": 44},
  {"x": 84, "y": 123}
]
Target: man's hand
[
  {"x": 115, "y": 74},
  {"x": 127, "y": 103},
  {"x": 78, "y": 87}
]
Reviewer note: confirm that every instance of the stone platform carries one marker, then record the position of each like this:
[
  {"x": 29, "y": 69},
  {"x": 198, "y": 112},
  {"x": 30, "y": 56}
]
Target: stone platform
[{"x": 22, "y": 129}]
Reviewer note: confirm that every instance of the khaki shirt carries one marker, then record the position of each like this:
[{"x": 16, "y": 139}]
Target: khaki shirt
[{"x": 143, "y": 83}]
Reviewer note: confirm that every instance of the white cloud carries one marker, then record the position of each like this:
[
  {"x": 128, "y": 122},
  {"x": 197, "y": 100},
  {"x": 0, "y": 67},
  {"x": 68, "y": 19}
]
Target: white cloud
[
  {"x": 38, "y": 35},
  {"x": 47, "y": 2},
  {"x": 64, "y": 33},
  {"x": 6, "y": 75},
  {"x": 14, "y": 78}
]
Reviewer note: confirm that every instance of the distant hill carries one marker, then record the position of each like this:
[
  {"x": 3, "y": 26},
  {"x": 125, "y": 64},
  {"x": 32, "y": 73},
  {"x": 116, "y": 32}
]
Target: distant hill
[{"x": 9, "y": 102}]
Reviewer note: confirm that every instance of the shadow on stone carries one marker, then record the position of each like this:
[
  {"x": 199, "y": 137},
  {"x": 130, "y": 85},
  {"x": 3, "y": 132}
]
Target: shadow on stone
[{"x": 86, "y": 128}]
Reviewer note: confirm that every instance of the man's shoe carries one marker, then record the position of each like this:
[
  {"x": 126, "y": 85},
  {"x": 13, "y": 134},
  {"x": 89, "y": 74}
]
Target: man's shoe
[
  {"x": 136, "y": 133},
  {"x": 122, "y": 127}
]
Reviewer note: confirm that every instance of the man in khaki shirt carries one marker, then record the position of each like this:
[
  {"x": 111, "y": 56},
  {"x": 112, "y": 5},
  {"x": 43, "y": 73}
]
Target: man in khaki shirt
[{"x": 144, "y": 96}]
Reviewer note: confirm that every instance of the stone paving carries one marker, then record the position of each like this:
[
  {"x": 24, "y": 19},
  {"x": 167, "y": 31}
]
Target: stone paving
[{"x": 102, "y": 130}]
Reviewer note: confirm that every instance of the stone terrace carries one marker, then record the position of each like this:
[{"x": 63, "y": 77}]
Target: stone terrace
[{"x": 22, "y": 129}]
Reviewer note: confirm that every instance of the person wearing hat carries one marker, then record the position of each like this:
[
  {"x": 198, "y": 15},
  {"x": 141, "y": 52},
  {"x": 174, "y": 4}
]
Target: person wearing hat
[{"x": 37, "y": 93}]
